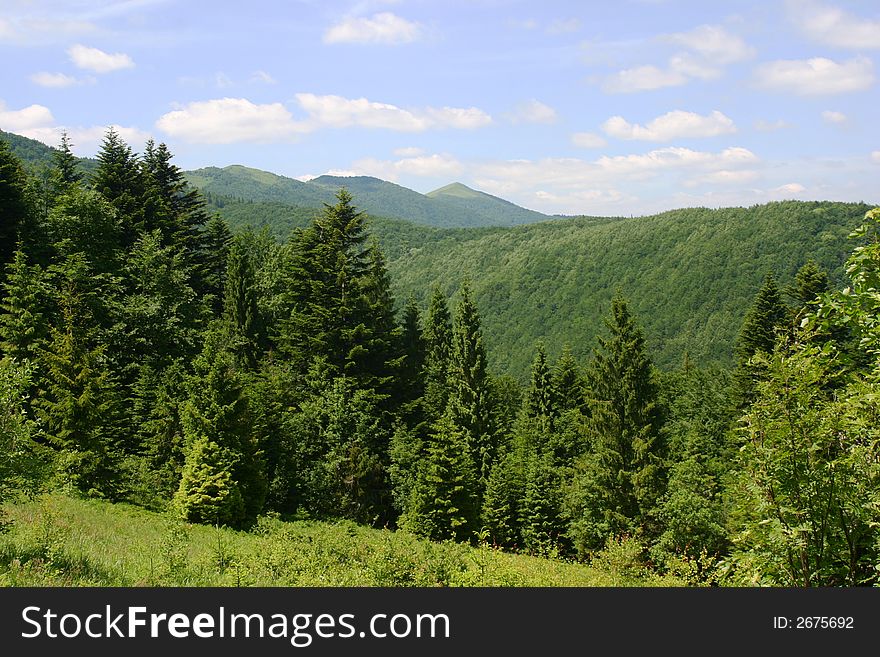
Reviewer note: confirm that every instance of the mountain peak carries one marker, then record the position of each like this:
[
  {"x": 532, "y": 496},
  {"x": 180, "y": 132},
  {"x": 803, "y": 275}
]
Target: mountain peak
[{"x": 455, "y": 189}]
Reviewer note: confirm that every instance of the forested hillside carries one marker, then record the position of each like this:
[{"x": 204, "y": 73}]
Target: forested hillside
[
  {"x": 149, "y": 355},
  {"x": 690, "y": 274}
]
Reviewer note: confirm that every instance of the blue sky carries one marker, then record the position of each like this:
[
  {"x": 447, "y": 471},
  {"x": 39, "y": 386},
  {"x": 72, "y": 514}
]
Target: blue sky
[{"x": 601, "y": 108}]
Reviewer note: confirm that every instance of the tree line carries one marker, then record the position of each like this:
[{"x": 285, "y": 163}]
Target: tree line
[{"x": 150, "y": 355}]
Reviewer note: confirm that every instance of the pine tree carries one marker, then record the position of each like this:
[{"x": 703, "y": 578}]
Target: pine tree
[
  {"x": 159, "y": 315},
  {"x": 622, "y": 478},
  {"x": 84, "y": 222},
  {"x": 66, "y": 171},
  {"x": 540, "y": 522},
  {"x": 568, "y": 382},
  {"x": 445, "y": 504},
  {"x": 218, "y": 437},
  {"x": 14, "y": 208},
  {"x": 541, "y": 401},
  {"x": 470, "y": 400},
  {"x": 23, "y": 322},
  {"x": 216, "y": 242},
  {"x": 240, "y": 307},
  {"x": 758, "y": 334},
  {"x": 438, "y": 355},
  {"x": 373, "y": 358},
  {"x": 411, "y": 383},
  {"x": 118, "y": 179},
  {"x": 326, "y": 287},
  {"x": 177, "y": 210},
  {"x": 500, "y": 514},
  {"x": 80, "y": 408}
]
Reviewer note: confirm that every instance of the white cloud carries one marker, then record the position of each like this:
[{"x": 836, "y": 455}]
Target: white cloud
[
  {"x": 229, "y": 120},
  {"x": 815, "y": 76},
  {"x": 830, "y": 116},
  {"x": 875, "y": 157},
  {"x": 642, "y": 78},
  {"x": 714, "y": 43},
  {"x": 262, "y": 76},
  {"x": 723, "y": 177},
  {"x": 588, "y": 140},
  {"x": 790, "y": 188},
  {"x": 707, "y": 49},
  {"x": 383, "y": 28},
  {"x": 533, "y": 111},
  {"x": 54, "y": 80},
  {"x": 672, "y": 125},
  {"x": 408, "y": 151},
  {"x": 25, "y": 120},
  {"x": 37, "y": 122},
  {"x": 675, "y": 157},
  {"x": 96, "y": 60},
  {"x": 339, "y": 112},
  {"x": 439, "y": 165},
  {"x": 87, "y": 141},
  {"x": 833, "y": 26}
]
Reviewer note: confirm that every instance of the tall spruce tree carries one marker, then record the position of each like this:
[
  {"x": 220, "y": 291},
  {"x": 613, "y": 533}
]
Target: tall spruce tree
[
  {"x": 223, "y": 480},
  {"x": 621, "y": 479},
  {"x": 568, "y": 382},
  {"x": 445, "y": 504},
  {"x": 24, "y": 303},
  {"x": 66, "y": 170},
  {"x": 541, "y": 402},
  {"x": 758, "y": 334},
  {"x": 240, "y": 307},
  {"x": 14, "y": 207},
  {"x": 216, "y": 241},
  {"x": 325, "y": 291},
  {"x": 470, "y": 400},
  {"x": 118, "y": 179},
  {"x": 438, "y": 355}
]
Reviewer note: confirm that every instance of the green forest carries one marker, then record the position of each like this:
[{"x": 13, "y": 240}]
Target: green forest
[{"x": 689, "y": 398}]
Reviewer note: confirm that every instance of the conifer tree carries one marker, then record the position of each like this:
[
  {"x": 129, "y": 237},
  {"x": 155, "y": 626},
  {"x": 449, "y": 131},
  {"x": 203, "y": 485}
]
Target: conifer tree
[
  {"x": 470, "y": 399},
  {"x": 621, "y": 479},
  {"x": 766, "y": 316},
  {"x": 438, "y": 355},
  {"x": 219, "y": 441},
  {"x": 373, "y": 358},
  {"x": 14, "y": 207},
  {"x": 23, "y": 322},
  {"x": 541, "y": 402},
  {"x": 240, "y": 307},
  {"x": 445, "y": 504},
  {"x": 500, "y": 514},
  {"x": 66, "y": 171},
  {"x": 328, "y": 268},
  {"x": 80, "y": 408},
  {"x": 412, "y": 346},
  {"x": 216, "y": 242},
  {"x": 540, "y": 521},
  {"x": 568, "y": 382},
  {"x": 118, "y": 179}
]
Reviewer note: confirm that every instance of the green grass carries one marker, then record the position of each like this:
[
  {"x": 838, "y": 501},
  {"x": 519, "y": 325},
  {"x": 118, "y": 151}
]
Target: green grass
[{"x": 61, "y": 541}]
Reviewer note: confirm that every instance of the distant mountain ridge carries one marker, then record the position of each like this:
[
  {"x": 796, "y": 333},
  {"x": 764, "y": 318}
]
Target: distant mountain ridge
[{"x": 452, "y": 206}]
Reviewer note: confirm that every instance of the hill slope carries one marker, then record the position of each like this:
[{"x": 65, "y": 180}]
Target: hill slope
[
  {"x": 375, "y": 196},
  {"x": 61, "y": 541},
  {"x": 690, "y": 275}
]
